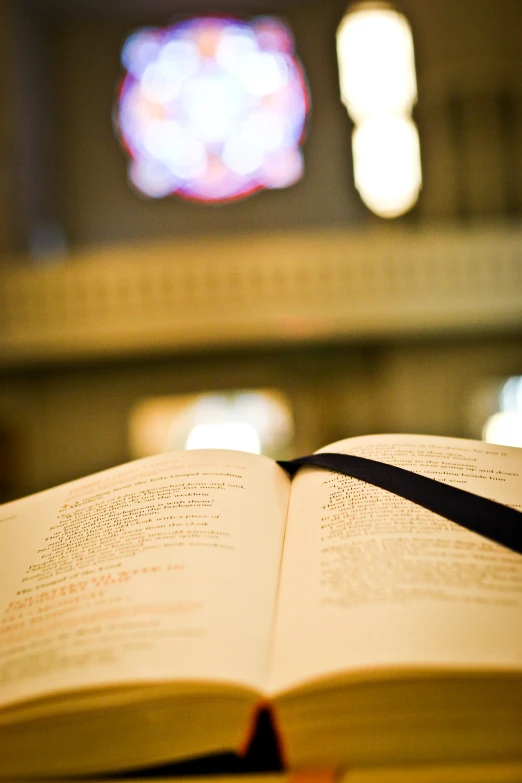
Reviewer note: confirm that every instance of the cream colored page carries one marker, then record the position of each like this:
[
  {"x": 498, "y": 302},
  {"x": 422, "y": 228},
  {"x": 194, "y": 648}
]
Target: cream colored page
[
  {"x": 165, "y": 568},
  {"x": 370, "y": 579}
]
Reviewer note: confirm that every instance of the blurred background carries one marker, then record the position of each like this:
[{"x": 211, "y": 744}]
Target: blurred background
[{"x": 211, "y": 233}]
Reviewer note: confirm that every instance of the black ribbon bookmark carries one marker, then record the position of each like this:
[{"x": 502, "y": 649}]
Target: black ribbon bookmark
[{"x": 495, "y": 521}]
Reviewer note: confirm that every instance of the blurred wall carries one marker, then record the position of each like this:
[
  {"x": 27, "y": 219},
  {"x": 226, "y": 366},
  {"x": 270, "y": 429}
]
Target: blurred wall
[
  {"x": 63, "y": 188},
  {"x": 70, "y": 421},
  {"x": 63, "y": 167}
]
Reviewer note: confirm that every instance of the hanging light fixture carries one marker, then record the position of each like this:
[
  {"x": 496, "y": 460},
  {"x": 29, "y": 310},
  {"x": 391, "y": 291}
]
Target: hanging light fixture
[{"x": 379, "y": 89}]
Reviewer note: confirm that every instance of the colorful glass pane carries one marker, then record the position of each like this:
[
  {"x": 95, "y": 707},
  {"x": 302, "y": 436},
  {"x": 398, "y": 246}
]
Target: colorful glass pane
[{"x": 212, "y": 108}]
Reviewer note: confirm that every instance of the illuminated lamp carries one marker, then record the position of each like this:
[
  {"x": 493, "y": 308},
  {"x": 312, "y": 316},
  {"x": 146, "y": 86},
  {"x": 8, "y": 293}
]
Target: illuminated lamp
[{"x": 379, "y": 89}]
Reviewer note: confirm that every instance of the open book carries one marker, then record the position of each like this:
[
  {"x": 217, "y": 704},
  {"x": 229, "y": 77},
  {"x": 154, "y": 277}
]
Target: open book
[{"x": 148, "y": 612}]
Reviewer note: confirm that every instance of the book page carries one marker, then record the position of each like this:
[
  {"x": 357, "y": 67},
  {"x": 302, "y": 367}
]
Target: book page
[
  {"x": 372, "y": 580},
  {"x": 162, "y": 569}
]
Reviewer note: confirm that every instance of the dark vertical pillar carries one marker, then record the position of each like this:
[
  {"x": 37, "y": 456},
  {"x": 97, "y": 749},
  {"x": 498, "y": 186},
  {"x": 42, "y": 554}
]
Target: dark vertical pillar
[{"x": 33, "y": 170}]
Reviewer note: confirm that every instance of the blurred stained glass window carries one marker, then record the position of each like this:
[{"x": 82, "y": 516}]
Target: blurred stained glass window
[{"x": 212, "y": 108}]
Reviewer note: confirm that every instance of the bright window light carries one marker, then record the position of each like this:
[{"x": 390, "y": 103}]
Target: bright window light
[
  {"x": 212, "y": 108},
  {"x": 258, "y": 420},
  {"x": 505, "y": 426},
  {"x": 379, "y": 89},
  {"x": 229, "y": 435},
  {"x": 510, "y": 397}
]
